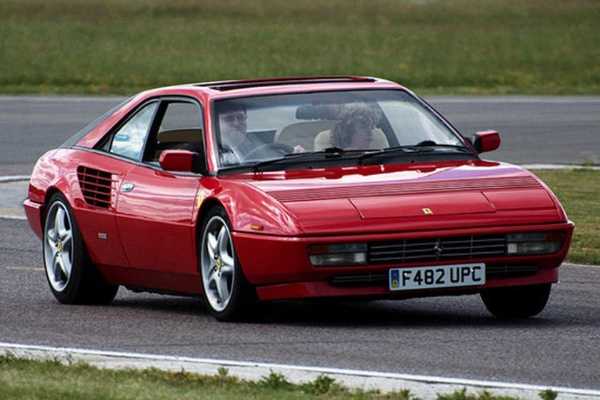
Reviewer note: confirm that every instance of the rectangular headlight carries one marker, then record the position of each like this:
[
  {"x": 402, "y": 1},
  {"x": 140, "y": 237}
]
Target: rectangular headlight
[
  {"x": 533, "y": 243},
  {"x": 338, "y": 254}
]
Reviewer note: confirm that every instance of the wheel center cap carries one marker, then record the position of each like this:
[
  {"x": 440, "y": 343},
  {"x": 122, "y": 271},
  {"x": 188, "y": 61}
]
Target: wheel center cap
[
  {"x": 59, "y": 246},
  {"x": 219, "y": 264}
]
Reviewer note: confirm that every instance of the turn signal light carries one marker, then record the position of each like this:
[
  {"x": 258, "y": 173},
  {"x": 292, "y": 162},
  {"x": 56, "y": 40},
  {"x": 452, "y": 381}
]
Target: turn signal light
[
  {"x": 338, "y": 254},
  {"x": 533, "y": 243}
]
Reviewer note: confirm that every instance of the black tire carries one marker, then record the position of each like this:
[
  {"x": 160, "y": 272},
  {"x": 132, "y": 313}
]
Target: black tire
[
  {"x": 84, "y": 284},
  {"x": 516, "y": 302},
  {"x": 243, "y": 300}
]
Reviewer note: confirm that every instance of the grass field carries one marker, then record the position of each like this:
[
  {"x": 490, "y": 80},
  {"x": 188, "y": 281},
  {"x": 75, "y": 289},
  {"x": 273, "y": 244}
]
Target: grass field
[
  {"x": 50, "y": 380},
  {"x": 579, "y": 193},
  {"x": 462, "y": 46}
]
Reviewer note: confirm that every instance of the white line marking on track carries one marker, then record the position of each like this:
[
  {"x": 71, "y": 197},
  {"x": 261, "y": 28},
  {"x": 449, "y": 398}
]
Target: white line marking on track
[
  {"x": 14, "y": 178},
  {"x": 559, "y": 166},
  {"x": 433, "y": 99},
  {"x": 61, "y": 99},
  {"x": 320, "y": 370},
  {"x": 15, "y": 217},
  {"x": 513, "y": 99},
  {"x": 25, "y": 268},
  {"x": 571, "y": 265}
]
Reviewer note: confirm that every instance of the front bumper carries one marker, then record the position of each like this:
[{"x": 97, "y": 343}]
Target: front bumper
[{"x": 280, "y": 268}]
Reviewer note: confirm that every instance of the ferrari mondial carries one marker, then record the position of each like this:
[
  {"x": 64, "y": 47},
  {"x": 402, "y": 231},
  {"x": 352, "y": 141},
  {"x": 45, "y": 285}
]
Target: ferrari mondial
[{"x": 292, "y": 188}]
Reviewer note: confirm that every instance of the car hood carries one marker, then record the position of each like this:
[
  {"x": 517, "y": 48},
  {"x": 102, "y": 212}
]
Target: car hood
[{"x": 409, "y": 197}]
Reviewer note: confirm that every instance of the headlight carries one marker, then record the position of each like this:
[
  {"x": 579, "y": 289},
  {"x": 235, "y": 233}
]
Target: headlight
[
  {"x": 533, "y": 243},
  {"x": 338, "y": 254}
]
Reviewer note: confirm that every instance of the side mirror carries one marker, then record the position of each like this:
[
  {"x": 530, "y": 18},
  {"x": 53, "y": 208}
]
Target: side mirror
[
  {"x": 177, "y": 160},
  {"x": 486, "y": 141}
]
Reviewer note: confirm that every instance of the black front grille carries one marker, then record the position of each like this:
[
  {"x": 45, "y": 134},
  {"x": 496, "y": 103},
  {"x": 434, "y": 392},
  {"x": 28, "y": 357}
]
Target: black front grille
[
  {"x": 360, "y": 280},
  {"x": 510, "y": 271},
  {"x": 432, "y": 249}
]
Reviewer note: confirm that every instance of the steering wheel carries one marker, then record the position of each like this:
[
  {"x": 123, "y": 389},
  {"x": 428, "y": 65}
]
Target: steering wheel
[{"x": 269, "y": 149}]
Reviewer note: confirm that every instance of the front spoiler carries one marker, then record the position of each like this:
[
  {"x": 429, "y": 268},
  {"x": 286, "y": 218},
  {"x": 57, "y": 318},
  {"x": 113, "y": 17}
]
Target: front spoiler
[{"x": 320, "y": 289}]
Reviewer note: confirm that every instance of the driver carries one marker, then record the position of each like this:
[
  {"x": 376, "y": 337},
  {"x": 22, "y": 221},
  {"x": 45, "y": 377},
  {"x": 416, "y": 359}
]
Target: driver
[{"x": 235, "y": 141}]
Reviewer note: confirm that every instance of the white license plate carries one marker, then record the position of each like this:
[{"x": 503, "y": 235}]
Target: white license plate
[{"x": 439, "y": 276}]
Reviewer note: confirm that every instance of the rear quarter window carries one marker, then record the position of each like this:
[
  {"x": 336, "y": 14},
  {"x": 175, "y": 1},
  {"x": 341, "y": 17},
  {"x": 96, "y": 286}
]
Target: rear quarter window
[{"x": 73, "y": 140}]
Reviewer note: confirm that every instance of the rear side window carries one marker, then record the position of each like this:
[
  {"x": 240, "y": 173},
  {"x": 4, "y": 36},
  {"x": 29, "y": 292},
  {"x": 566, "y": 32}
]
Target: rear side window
[
  {"x": 129, "y": 140},
  {"x": 179, "y": 127},
  {"x": 181, "y": 116}
]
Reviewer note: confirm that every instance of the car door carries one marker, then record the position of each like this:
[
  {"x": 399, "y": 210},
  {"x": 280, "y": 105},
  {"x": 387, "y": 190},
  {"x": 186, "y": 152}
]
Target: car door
[{"x": 155, "y": 207}]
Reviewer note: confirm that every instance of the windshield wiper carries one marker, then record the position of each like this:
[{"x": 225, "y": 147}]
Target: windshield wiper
[
  {"x": 328, "y": 153},
  {"x": 423, "y": 147},
  {"x": 405, "y": 150},
  {"x": 432, "y": 144}
]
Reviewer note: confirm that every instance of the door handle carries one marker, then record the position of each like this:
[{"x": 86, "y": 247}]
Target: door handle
[{"x": 127, "y": 187}]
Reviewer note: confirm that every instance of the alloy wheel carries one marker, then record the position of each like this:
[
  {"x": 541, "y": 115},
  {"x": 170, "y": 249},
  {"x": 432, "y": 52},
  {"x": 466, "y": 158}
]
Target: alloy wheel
[
  {"x": 58, "y": 246},
  {"x": 218, "y": 263}
]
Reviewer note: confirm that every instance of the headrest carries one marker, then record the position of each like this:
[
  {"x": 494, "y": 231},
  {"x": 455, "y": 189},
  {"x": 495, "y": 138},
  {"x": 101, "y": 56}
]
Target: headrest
[{"x": 317, "y": 111}]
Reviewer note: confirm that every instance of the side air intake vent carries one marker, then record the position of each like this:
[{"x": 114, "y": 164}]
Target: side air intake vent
[{"x": 96, "y": 186}]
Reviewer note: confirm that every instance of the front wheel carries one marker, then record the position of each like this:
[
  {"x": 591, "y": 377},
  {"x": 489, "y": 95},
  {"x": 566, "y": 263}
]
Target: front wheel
[
  {"x": 517, "y": 301},
  {"x": 226, "y": 292},
  {"x": 73, "y": 279}
]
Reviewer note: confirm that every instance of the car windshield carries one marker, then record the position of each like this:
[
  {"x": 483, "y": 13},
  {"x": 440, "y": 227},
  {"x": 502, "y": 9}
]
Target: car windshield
[{"x": 286, "y": 128}]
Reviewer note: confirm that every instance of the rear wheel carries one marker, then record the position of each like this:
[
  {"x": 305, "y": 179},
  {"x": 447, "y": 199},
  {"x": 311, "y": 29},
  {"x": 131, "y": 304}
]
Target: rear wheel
[
  {"x": 73, "y": 279},
  {"x": 226, "y": 292},
  {"x": 517, "y": 301}
]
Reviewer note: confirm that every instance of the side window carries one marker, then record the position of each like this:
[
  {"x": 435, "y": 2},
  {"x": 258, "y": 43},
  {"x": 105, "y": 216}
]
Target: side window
[
  {"x": 180, "y": 128},
  {"x": 180, "y": 116},
  {"x": 129, "y": 140}
]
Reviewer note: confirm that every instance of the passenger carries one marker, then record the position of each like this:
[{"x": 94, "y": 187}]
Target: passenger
[{"x": 355, "y": 130}]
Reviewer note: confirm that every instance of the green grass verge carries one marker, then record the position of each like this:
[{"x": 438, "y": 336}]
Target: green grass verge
[
  {"x": 33, "y": 379},
  {"x": 434, "y": 46},
  {"x": 579, "y": 193}
]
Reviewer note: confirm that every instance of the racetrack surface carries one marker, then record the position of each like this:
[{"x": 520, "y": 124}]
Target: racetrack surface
[
  {"x": 534, "y": 129},
  {"x": 451, "y": 337},
  {"x": 447, "y": 336}
]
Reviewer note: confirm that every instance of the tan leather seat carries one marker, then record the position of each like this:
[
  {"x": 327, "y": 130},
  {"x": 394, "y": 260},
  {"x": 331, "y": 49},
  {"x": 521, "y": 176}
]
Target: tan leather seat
[
  {"x": 180, "y": 135},
  {"x": 179, "y": 139},
  {"x": 302, "y": 133},
  {"x": 325, "y": 139}
]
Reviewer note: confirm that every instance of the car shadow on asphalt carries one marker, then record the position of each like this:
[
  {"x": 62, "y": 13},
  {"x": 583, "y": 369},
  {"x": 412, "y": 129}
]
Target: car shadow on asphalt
[
  {"x": 420, "y": 313},
  {"x": 413, "y": 314}
]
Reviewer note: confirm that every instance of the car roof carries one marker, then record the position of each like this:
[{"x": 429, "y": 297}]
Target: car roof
[
  {"x": 277, "y": 81},
  {"x": 291, "y": 84}
]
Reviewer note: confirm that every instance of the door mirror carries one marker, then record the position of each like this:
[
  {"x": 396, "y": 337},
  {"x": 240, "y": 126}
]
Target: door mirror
[
  {"x": 177, "y": 160},
  {"x": 486, "y": 141}
]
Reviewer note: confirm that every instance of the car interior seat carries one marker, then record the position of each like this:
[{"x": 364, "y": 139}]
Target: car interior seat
[
  {"x": 181, "y": 139},
  {"x": 303, "y": 133}
]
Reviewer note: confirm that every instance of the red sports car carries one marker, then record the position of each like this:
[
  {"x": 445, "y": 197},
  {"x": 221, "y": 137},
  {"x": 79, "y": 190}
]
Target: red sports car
[{"x": 292, "y": 188}]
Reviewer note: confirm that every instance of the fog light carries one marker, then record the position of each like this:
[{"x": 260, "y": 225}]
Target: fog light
[
  {"x": 533, "y": 243},
  {"x": 338, "y": 254}
]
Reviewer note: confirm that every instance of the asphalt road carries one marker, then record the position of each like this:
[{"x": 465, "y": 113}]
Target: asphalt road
[
  {"x": 534, "y": 129},
  {"x": 450, "y": 337}
]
